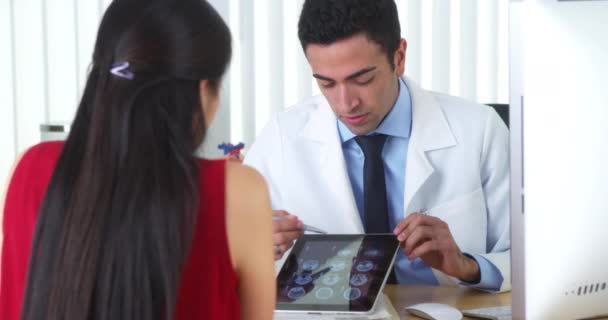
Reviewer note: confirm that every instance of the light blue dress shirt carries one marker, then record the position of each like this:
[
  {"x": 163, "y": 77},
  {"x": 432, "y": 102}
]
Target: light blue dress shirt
[{"x": 397, "y": 126}]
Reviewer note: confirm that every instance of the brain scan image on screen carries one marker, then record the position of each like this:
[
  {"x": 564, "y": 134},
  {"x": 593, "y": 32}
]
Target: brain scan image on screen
[
  {"x": 351, "y": 294},
  {"x": 302, "y": 279},
  {"x": 358, "y": 280},
  {"x": 310, "y": 265},
  {"x": 296, "y": 293},
  {"x": 335, "y": 273},
  {"x": 372, "y": 253},
  {"x": 324, "y": 293},
  {"x": 345, "y": 253},
  {"x": 330, "y": 279},
  {"x": 337, "y": 266},
  {"x": 364, "y": 266}
]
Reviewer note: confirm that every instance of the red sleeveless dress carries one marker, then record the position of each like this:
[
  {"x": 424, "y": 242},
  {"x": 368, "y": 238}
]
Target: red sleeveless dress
[{"x": 208, "y": 287}]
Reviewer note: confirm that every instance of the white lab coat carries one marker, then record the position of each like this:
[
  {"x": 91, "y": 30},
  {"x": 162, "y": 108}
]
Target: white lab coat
[{"x": 457, "y": 170}]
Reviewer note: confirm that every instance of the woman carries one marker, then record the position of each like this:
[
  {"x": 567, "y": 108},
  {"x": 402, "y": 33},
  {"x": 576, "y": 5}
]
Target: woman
[{"x": 122, "y": 221}]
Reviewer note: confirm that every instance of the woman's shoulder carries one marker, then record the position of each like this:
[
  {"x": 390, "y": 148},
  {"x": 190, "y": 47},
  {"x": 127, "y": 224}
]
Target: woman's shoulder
[
  {"x": 40, "y": 157},
  {"x": 235, "y": 173},
  {"x": 43, "y": 151},
  {"x": 31, "y": 174},
  {"x": 246, "y": 190},
  {"x": 243, "y": 178},
  {"x": 244, "y": 185}
]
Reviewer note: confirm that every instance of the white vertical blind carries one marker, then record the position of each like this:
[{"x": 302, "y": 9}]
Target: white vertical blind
[
  {"x": 441, "y": 45},
  {"x": 455, "y": 36},
  {"x": 454, "y": 46},
  {"x": 236, "y": 112},
  {"x": 291, "y": 50},
  {"x": 298, "y": 81},
  {"x": 87, "y": 17},
  {"x": 31, "y": 94},
  {"x": 61, "y": 79},
  {"x": 276, "y": 81},
  {"x": 411, "y": 22},
  {"x": 426, "y": 44},
  {"x": 262, "y": 64},
  {"x": 467, "y": 63},
  {"x": 304, "y": 73},
  {"x": 502, "y": 36},
  {"x": 248, "y": 88},
  {"x": 7, "y": 104},
  {"x": 487, "y": 50}
]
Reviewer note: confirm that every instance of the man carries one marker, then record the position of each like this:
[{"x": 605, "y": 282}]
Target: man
[{"x": 444, "y": 191}]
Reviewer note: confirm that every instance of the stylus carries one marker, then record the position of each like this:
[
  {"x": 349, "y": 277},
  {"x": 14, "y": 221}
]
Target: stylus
[
  {"x": 306, "y": 227},
  {"x": 320, "y": 273}
]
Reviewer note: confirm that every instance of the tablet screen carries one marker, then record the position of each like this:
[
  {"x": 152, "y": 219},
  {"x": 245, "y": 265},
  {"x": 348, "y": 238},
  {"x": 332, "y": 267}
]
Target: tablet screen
[{"x": 335, "y": 272}]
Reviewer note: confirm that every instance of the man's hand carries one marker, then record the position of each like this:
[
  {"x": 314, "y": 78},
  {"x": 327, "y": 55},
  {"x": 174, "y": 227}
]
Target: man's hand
[
  {"x": 286, "y": 228},
  {"x": 430, "y": 239}
]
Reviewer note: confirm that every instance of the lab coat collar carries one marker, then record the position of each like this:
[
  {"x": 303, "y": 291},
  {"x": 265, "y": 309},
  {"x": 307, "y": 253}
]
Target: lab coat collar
[{"x": 430, "y": 131}]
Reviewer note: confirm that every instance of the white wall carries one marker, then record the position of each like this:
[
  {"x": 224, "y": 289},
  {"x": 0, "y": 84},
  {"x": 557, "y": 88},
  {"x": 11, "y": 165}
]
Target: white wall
[{"x": 455, "y": 46}]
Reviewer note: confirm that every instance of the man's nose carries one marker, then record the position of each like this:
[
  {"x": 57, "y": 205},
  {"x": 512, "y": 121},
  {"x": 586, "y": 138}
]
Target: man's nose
[{"x": 348, "y": 99}]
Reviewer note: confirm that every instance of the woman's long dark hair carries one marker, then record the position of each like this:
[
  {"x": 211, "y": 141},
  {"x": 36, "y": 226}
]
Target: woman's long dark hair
[{"x": 115, "y": 225}]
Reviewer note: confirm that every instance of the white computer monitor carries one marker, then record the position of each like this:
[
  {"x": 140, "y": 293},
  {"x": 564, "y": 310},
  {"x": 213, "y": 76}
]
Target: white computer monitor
[{"x": 559, "y": 158}]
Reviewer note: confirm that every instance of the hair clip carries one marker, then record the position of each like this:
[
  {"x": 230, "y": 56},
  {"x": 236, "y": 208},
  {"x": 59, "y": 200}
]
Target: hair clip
[
  {"x": 119, "y": 69},
  {"x": 232, "y": 152}
]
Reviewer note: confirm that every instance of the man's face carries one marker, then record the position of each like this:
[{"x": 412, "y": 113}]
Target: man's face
[{"x": 357, "y": 79}]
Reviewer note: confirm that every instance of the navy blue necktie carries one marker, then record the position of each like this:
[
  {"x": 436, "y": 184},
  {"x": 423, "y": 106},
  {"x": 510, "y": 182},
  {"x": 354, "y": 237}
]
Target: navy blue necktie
[{"x": 375, "y": 213}]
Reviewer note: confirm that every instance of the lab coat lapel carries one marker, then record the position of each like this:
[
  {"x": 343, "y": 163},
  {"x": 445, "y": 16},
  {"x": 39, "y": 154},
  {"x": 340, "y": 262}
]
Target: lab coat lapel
[
  {"x": 322, "y": 129},
  {"x": 430, "y": 131}
]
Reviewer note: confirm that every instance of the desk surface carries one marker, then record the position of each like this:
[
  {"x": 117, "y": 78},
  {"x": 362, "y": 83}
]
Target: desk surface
[{"x": 461, "y": 298}]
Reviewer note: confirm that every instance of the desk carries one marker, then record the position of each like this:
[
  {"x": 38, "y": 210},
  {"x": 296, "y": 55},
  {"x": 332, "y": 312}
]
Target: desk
[{"x": 462, "y": 298}]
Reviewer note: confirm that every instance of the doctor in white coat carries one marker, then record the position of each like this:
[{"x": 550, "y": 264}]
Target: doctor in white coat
[{"x": 450, "y": 187}]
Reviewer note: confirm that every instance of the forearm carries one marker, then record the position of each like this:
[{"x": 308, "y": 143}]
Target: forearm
[
  {"x": 470, "y": 271},
  {"x": 490, "y": 276}
]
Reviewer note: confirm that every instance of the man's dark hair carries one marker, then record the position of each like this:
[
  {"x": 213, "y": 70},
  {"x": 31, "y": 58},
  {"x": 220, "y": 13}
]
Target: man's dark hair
[{"x": 327, "y": 21}]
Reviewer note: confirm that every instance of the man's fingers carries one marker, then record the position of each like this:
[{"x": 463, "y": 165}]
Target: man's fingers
[
  {"x": 412, "y": 220},
  {"x": 286, "y": 228},
  {"x": 288, "y": 223},
  {"x": 409, "y": 224},
  {"x": 280, "y": 249},
  {"x": 418, "y": 236},
  {"x": 400, "y": 226},
  {"x": 424, "y": 248},
  {"x": 280, "y": 213},
  {"x": 282, "y": 238}
]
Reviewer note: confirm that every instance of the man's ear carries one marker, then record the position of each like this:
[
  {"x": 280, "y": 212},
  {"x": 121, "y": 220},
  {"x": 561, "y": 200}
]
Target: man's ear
[{"x": 399, "y": 58}]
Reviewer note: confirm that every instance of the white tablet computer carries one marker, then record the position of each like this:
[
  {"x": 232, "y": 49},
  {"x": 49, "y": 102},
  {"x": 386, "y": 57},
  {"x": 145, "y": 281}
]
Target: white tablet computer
[{"x": 335, "y": 273}]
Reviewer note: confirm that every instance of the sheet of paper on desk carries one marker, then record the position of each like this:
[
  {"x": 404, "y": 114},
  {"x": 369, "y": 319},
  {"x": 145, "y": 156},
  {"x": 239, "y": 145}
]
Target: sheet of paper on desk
[{"x": 383, "y": 310}]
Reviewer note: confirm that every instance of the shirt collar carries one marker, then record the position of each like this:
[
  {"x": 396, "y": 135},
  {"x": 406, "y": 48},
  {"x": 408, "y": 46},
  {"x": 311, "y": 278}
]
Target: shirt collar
[{"x": 397, "y": 123}]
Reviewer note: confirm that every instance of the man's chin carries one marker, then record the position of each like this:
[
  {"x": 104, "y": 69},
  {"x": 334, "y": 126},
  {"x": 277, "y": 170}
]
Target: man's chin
[{"x": 360, "y": 130}]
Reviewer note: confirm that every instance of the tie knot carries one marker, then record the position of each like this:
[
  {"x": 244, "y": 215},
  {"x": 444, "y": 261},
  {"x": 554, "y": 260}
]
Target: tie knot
[{"x": 371, "y": 145}]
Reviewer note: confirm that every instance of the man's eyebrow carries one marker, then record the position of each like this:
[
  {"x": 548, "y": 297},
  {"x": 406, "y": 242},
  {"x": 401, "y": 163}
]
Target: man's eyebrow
[
  {"x": 360, "y": 72},
  {"x": 349, "y": 77},
  {"x": 320, "y": 77}
]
